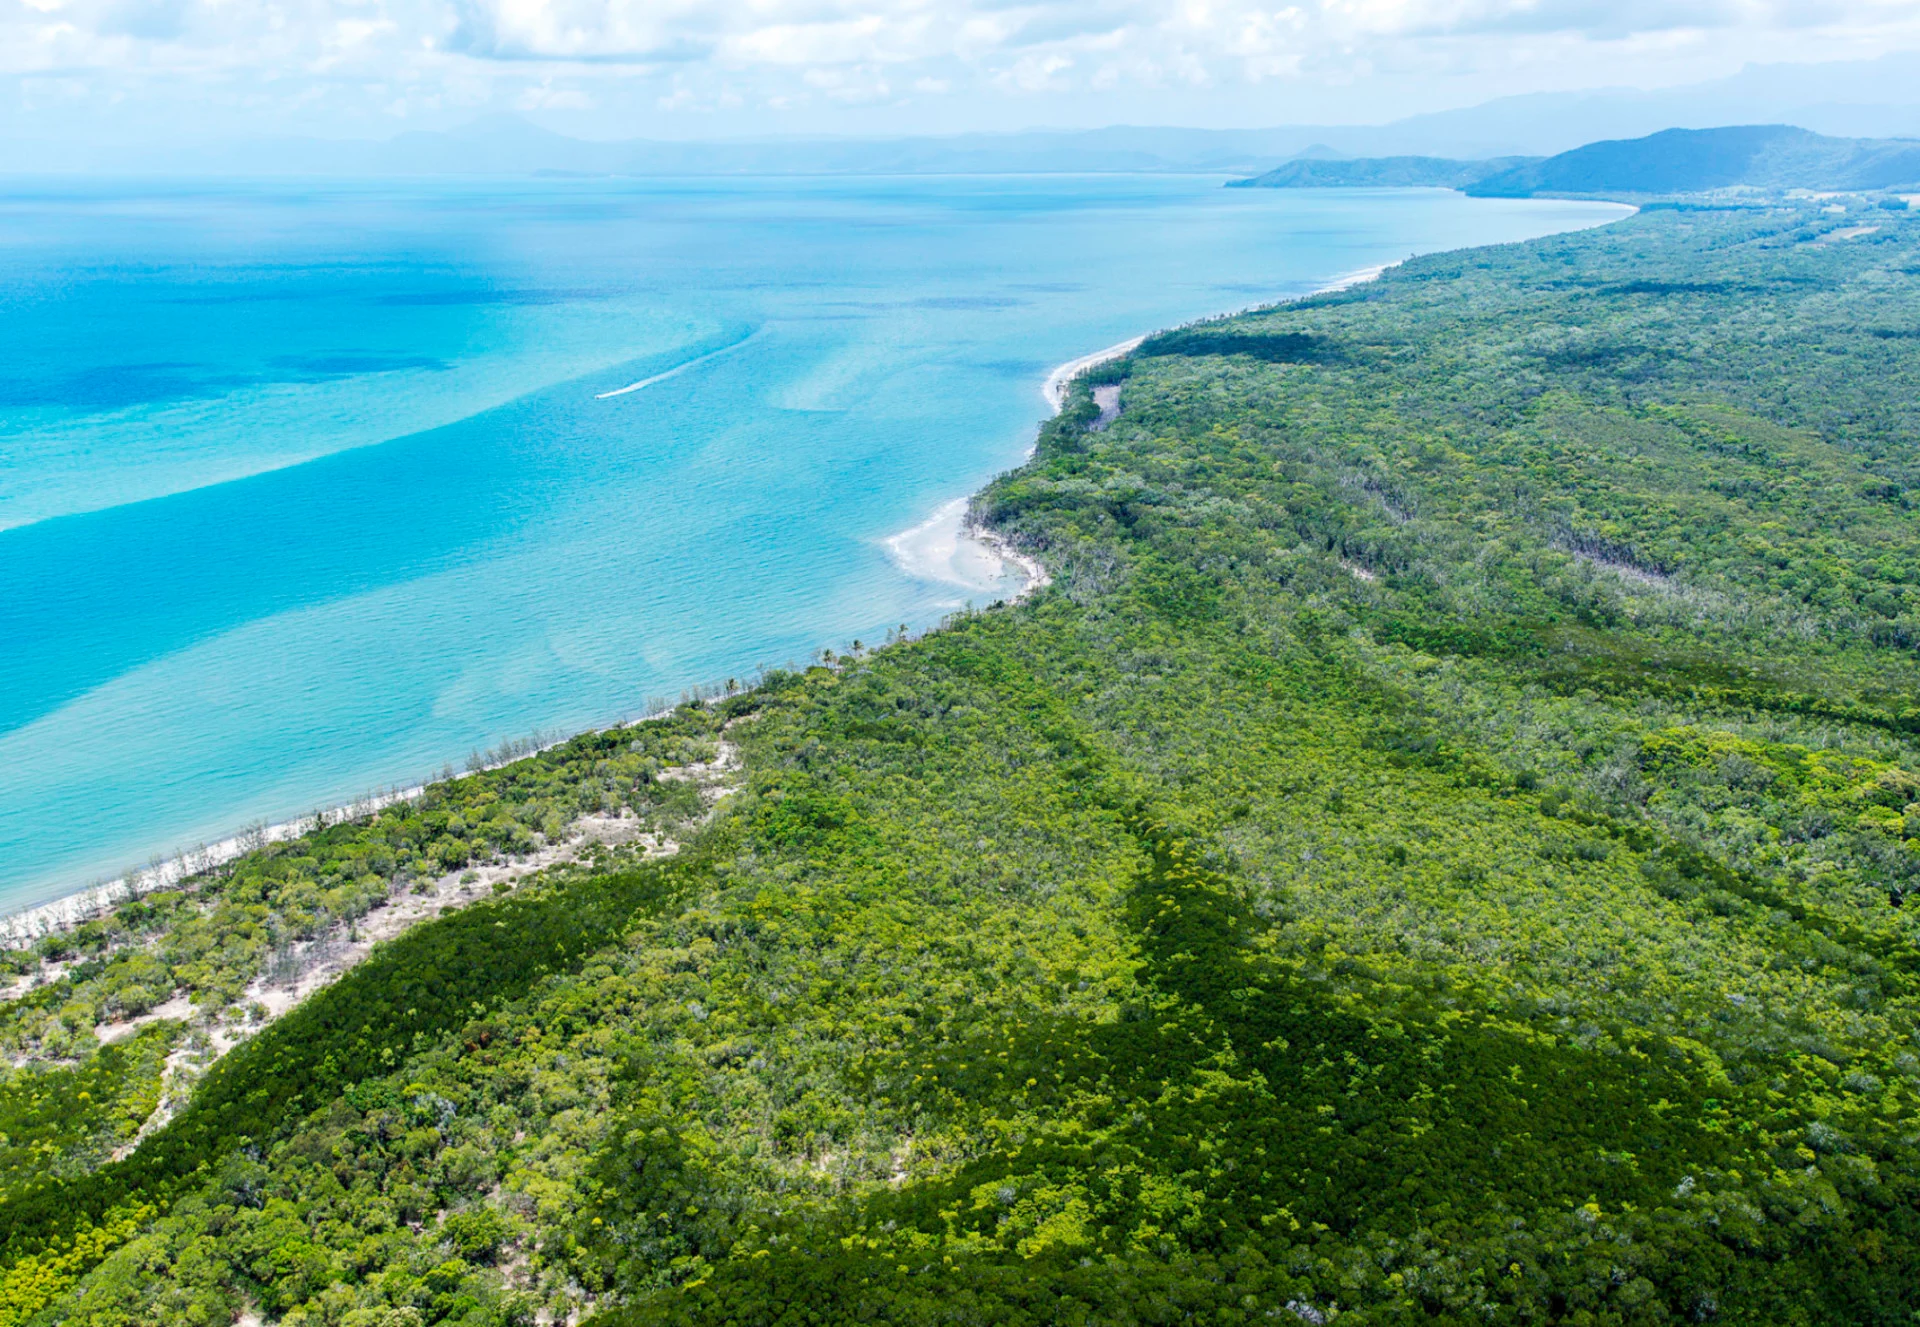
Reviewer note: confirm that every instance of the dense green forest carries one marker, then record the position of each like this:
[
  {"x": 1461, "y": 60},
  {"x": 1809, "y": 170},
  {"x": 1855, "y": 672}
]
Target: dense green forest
[{"x": 1439, "y": 849}]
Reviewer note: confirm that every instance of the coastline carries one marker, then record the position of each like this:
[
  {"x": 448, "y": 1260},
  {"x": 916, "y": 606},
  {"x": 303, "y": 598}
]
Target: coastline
[
  {"x": 951, "y": 532},
  {"x": 971, "y": 539},
  {"x": 1054, "y": 389},
  {"x": 22, "y": 928}
]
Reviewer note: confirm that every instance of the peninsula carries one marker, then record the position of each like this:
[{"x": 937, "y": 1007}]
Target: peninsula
[{"x": 1439, "y": 848}]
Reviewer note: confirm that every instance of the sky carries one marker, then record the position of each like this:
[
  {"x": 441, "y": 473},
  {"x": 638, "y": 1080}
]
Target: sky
[{"x": 185, "y": 69}]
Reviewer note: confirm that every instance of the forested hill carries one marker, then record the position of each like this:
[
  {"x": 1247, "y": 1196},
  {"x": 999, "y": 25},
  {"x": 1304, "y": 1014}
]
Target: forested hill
[
  {"x": 1764, "y": 156},
  {"x": 1380, "y": 173},
  {"x": 1439, "y": 850},
  {"x": 1772, "y": 158}
]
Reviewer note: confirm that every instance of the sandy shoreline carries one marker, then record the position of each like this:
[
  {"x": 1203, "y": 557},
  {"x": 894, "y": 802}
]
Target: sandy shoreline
[
  {"x": 948, "y": 548},
  {"x": 21, "y": 928},
  {"x": 1054, "y": 389}
]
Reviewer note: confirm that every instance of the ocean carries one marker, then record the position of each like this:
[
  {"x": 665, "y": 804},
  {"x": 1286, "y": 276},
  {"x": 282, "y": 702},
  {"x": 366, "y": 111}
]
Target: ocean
[{"x": 312, "y": 489}]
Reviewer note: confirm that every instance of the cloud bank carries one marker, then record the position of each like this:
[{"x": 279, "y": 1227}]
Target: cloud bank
[{"x": 686, "y": 67}]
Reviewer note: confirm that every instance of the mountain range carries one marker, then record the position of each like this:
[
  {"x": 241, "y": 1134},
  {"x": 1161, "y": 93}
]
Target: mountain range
[
  {"x": 1858, "y": 99},
  {"x": 1772, "y": 157}
]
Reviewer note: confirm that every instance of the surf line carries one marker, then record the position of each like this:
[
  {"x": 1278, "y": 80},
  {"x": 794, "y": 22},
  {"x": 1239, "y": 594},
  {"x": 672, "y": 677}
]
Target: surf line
[{"x": 679, "y": 369}]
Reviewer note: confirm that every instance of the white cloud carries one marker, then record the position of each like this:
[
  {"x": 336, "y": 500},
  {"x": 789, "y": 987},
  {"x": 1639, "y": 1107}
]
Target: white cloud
[
  {"x": 546, "y": 97},
  {"x": 856, "y": 39},
  {"x": 366, "y": 57},
  {"x": 1039, "y": 71}
]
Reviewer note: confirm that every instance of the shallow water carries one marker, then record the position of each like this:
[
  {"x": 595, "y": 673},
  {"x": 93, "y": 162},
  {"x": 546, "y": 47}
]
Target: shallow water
[{"x": 307, "y": 490}]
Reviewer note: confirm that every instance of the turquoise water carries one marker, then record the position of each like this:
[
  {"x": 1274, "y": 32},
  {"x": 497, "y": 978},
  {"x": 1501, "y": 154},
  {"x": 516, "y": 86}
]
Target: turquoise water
[{"x": 305, "y": 491}]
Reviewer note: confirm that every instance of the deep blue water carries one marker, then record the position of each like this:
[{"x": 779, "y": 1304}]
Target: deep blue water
[{"x": 307, "y": 490}]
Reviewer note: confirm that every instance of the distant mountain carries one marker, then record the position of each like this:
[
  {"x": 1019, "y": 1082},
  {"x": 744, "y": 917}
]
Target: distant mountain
[
  {"x": 1861, "y": 99},
  {"x": 504, "y": 145},
  {"x": 1877, "y": 98},
  {"x": 1382, "y": 172},
  {"x": 1674, "y": 161},
  {"x": 1771, "y": 156}
]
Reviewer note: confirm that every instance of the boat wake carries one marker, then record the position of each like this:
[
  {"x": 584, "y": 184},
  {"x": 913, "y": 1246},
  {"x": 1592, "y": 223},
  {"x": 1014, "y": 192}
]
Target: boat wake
[{"x": 679, "y": 369}]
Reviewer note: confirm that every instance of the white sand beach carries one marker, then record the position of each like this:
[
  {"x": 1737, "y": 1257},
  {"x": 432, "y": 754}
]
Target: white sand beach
[
  {"x": 949, "y": 549},
  {"x": 941, "y": 548},
  {"x": 1055, "y": 387}
]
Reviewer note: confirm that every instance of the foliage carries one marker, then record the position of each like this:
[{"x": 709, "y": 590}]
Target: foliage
[
  {"x": 67, "y": 1121},
  {"x": 208, "y": 940},
  {"x": 1438, "y": 851},
  {"x": 31, "y": 1283}
]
